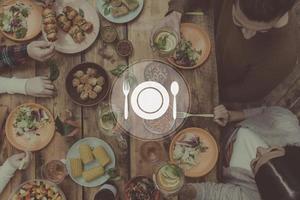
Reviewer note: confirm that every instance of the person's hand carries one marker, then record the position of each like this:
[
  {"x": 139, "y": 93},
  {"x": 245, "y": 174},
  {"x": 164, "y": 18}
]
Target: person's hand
[
  {"x": 40, "y": 87},
  {"x": 40, "y": 50},
  {"x": 173, "y": 21},
  {"x": 221, "y": 115},
  {"x": 19, "y": 161}
]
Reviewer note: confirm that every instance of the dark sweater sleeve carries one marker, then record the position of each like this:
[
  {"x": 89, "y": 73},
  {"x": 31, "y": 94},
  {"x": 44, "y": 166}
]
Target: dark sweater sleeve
[
  {"x": 259, "y": 81},
  {"x": 11, "y": 56},
  {"x": 179, "y": 5}
]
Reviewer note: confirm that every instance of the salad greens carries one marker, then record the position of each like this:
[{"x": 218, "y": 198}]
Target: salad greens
[
  {"x": 63, "y": 128},
  {"x": 187, "y": 150},
  {"x": 14, "y": 20},
  {"x": 29, "y": 120},
  {"x": 185, "y": 54}
]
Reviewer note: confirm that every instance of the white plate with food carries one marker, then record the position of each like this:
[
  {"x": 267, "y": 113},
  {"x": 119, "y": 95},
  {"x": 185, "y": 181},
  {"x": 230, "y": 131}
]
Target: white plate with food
[
  {"x": 38, "y": 189},
  {"x": 19, "y": 19},
  {"x": 30, "y": 127},
  {"x": 195, "y": 151},
  {"x": 150, "y": 100},
  {"x": 73, "y": 26},
  {"x": 120, "y": 11},
  {"x": 89, "y": 160}
]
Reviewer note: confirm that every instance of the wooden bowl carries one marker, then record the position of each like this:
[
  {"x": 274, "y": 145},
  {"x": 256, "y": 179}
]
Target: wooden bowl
[
  {"x": 49, "y": 183},
  {"x": 208, "y": 159},
  {"x": 136, "y": 179},
  {"x": 75, "y": 96},
  {"x": 21, "y": 143},
  {"x": 200, "y": 41},
  {"x": 34, "y": 21}
]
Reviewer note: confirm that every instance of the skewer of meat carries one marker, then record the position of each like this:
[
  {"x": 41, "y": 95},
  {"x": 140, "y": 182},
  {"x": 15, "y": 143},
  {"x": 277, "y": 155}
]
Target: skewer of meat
[
  {"x": 64, "y": 23},
  {"x": 49, "y": 23},
  {"x": 83, "y": 24},
  {"x": 70, "y": 12},
  {"x": 77, "y": 34}
]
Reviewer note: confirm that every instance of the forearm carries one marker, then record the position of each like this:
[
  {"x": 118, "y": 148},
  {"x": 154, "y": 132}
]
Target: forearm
[
  {"x": 11, "y": 56},
  {"x": 12, "y": 85},
  {"x": 236, "y": 116},
  {"x": 6, "y": 173}
]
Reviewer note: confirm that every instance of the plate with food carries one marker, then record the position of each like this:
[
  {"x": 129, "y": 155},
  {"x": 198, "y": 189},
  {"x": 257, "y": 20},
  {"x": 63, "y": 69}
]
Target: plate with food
[
  {"x": 87, "y": 84},
  {"x": 30, "y": 127},
  {"x": 195, "y": 151},
  {"x": 19, "y": 19},
  {"x": 73, "y": 26},
  {"x": 193, "y": 49},
  {"x": 120, "y": 11},
  {"x": 141, "y": 187},
  {"x": 89, "y": 161},
  {"x": 38, "y": 189}
]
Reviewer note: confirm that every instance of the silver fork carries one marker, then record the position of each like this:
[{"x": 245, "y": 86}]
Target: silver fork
[{"x": 126, "y": 89}]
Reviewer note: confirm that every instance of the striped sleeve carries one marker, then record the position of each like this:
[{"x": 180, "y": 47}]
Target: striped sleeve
[{"x": 11, "y": 56}]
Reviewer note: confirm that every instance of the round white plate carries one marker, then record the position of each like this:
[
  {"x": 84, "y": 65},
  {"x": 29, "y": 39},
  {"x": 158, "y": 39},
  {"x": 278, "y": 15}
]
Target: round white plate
[
  {"x": 64, "y": 42},
  {"x": 120, "y": 20},
  {"x": 150, "y": 100},
  {"x": 74, "y": 153}
]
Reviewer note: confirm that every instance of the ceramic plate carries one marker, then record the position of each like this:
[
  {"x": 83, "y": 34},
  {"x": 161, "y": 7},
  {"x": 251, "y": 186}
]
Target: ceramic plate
[
  {"x": 150, "y": 100},
  {"x": 40, "y": 180},
  {"x": 65, "y": 43},
  {"x": 200, "y": 41},
  {"x": 74, "y": 153},
  {"x": 33, "y": 20},
  {"x": 75, "y": 96},
  {"x": 21, "y": 142},
  {"x": 207, "y": 159},
  {"x": 120, "y": 20}
]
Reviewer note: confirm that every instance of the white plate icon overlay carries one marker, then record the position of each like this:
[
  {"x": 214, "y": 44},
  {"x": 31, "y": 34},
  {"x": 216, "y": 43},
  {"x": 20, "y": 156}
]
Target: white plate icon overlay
[{"x": 150, "y": 100}]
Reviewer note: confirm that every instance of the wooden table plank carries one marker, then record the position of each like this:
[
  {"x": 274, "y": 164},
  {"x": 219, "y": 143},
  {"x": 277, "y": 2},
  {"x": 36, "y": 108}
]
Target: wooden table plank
[
  {"x": 90, "y": 128},
  {"x": 12, "y": 101},
  {"x": 202, "y": 81}
]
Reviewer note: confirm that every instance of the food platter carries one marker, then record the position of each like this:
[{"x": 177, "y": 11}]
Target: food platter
[
  {"x": 65, "y": 43},
  {"x": 42, "y": 188},
  {"x": 199, "y": 42},
  {"x": 92, "y": 142},
  {"x": 131, "y": 15},
  {"x": 74, "y": 91},
  {"x": 206, "y": 159},
  {"x": 34, "y": 17},
  {"x": 41, "y": 133}
]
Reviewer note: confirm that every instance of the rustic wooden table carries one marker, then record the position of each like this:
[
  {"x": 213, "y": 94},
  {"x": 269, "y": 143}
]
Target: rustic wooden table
[{"x": 202, "y": 81}]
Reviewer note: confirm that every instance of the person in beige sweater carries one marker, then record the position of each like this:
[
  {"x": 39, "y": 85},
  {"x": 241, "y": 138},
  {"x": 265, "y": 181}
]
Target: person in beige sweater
[
  {"x": 19, "y": 161},
  {"x": 255, "y": 44},
  {"x": 259, "y": 157}
]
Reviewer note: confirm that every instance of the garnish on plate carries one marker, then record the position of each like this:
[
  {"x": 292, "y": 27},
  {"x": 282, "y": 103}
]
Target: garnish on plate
[
  {"x": 186, "y": 151},
  {"x": 185, "y": 54},
  {"x": 29, "y": 120}
]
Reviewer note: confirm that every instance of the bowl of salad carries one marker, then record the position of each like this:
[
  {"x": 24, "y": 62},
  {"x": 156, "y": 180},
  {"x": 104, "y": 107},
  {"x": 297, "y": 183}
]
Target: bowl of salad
[
  {"x": 21, "y": 20},
  {"x": 30, "y": 127},
  {"x": 193, "y": 49}
]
